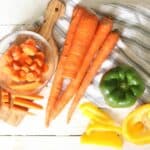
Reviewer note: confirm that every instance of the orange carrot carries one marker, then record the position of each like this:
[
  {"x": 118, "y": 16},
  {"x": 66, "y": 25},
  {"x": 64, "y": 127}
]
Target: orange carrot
[
  {"x": 28, "y": 49},
  {"x": 81, "y": 42},
  {"x": 58, "y": 80},
  {"x": 102, "y": 32},
  {"x": 24, "y": 103},
  {"x": 29, "y": 97},
  {"x": 31, "y": 41},
  {"x": 26, "y": 86},
  {"x": 103, "y": 53}
]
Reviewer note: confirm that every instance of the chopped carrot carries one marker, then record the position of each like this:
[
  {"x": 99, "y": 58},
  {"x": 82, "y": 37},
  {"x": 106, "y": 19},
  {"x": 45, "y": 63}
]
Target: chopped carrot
[
  {"x": 16, "y": 52},
  {"x": 38, "y": 72},
  {"x": 28, "y": 60},
  {"x": 40, "y": 55},
  {"x": 16, "y": 65},
  {"x": 104, "y": 28},
  {"x": 81, "y": 42},
  {"x": 29, "y": 97},
  {"x": 11, "y": 48},
  {"x": 31, "y": 41},
  {"x": 58, "y": 80},
  {"x": 22, "y": 73},
  {"x": 16, "y": 107},
  {"x": 28, "y": 49},
  {"x": 31, "y": 76},
  {"x": 26, "y": 103},
  {"x": 40, "y": 62},
  {"x": 102, "y": 55},
  {"x": 34, "y": 66},
  {"x": 26, "y": 86},
  {"x": 16, "y": 78},
  {"x": 25, "y": 68}
]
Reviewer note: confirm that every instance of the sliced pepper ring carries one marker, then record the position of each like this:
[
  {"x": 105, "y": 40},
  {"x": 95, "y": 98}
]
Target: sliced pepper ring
[{"x": 136, "y": 126}]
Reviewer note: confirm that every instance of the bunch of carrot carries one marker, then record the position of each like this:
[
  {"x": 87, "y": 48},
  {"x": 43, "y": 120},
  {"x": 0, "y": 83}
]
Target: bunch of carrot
[{"x": 88, "y": 43}]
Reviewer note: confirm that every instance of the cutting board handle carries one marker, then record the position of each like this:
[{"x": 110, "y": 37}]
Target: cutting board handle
[{"x": 54, "y": 11}]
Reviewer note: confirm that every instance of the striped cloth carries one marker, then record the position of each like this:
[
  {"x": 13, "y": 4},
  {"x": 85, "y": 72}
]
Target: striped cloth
[{"x": 133, "y": 47}]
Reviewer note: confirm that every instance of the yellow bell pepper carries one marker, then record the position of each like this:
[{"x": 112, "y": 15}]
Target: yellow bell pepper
[
  {"x": 136, "y": 126},
  {"x": 103, "y": 127},
  {"x": 110, "y": 139},
  {"x": 95, "y": 114}
]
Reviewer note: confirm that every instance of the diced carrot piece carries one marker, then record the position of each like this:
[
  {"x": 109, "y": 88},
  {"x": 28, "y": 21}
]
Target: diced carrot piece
[
  {"x": 11, "y": 48},
  {"x": 31, "y": 41},
  {"x": 31, "y": 76},
  {"x": 30, "y": 97},
  {"x": 26, "y": 86},
  {"x": 16, "y": 52},
  {"x": 28, "y": 60},
  {"x": 15, "y": 78},
  {"x": 29, "y": 49},
  {"x": 25, "y": 59},
  {"x": 38, "y": 71},
  {"x": 25, "y": 68},
  {"x": 22, "y": 73},
  {"x": 16, "y": 66},
  {"x": 39, "y": 61},
  {"x": 34, "y": 66},
  {"x": 27, "y": 103},
  {"x": 40, "y": 55}
]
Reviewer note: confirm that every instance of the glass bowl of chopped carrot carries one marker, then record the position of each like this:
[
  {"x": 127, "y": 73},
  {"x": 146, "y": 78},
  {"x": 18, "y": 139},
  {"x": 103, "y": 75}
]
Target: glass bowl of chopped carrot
[{"x": 27, "y": 62}]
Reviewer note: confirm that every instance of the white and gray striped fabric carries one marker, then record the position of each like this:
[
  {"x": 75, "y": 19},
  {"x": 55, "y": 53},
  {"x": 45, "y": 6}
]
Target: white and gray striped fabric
[{"x": 133, "y": 47}]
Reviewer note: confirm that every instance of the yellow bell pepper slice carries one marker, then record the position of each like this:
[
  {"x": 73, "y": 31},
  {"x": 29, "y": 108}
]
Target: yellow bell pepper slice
[
  {"x": 96, "y": 127},
  {"x": 95, "y": 114},
  {"x": 136, "y": 126},
  {"x": 110, "y": 139}
]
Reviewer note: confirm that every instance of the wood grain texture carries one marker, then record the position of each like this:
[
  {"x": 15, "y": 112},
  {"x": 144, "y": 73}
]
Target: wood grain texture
[{"x": 53, "y": 12}]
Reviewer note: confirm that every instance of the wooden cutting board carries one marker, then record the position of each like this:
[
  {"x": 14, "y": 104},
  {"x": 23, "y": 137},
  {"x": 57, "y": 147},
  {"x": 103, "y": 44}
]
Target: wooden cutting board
[{"x": 53, "y": 12}]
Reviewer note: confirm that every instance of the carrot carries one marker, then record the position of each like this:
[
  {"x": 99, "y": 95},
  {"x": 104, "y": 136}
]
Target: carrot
[
  {"x": 25, "y": 59},
  {"x": 16, "y": 52},
  {"x": 26, "y": 86},
  {"x": 40, "y": 55},
  {"x": 103, "y": 53},
  {"x": 102, "y": 32},
  {"x": 29, "y": 97},
  {"x": 19, "y": 108},
  {"x": 39, "y": 62},
  {"x": 58, "y": 80},
  {"x": 31, "y": 76},
  {"x": 81, "y": 42},
  {"x": 24, "y": 103},
  {"x": 31, "y": 41},
  {"x": 16, "y": 66},
  {"x": 28, "y": 49},
  {"x": 25, "y": 68}
]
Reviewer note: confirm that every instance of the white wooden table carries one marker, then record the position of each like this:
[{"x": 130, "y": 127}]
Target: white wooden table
[{"x": 32, "y": 134}]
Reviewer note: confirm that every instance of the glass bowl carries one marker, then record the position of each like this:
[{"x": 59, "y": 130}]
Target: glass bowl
[{"x": 7, "y": 80}]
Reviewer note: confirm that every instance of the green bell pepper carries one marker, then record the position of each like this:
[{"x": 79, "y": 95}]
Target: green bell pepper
[{"x": 122, "y": 86}]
